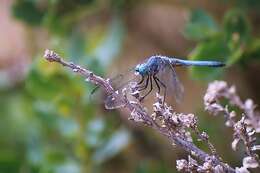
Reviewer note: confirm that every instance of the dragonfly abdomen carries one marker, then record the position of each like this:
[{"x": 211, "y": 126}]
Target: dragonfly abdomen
[{"x": 180, "y": 62}]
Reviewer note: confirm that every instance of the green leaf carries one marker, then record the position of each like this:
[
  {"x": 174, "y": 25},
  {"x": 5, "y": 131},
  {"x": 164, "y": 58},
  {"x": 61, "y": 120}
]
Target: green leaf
[
  {"x": 200, "y": 26},
  {"x": 41, "y": 87},
  {"x": 253, "y": 51},
  {"x": 237, "y": 34},
  {"x": 55, "y": 23},
  {"x": 235, "y": 56},
  {"x": 64, "y": 15},
  {"x": 214, "y": 49},
  {"x": 236, "y": 26},
  {"x": 28, "y": 11}
]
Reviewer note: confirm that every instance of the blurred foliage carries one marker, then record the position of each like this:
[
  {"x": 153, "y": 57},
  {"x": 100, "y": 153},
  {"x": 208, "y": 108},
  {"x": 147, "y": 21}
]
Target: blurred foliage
[
  {"x": 49, "y": 124},
  {"x": 61, "y": 16},
  {"x": 55, "y": 130},
  {"x": 200, "y": 26},
  {"x": 59, "y": 128},
  {"x": 231, "y": 42}
]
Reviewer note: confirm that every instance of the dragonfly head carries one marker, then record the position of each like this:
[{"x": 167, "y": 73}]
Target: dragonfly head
[{"x": 141, "y": 69}]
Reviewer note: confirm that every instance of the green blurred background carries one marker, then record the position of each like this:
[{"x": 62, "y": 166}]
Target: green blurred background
[{"x": 47, "y": 121}]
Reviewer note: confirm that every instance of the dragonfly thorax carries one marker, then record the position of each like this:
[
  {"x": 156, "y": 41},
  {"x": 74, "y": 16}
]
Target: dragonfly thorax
[
  {"x": 152, "y": 66},
  {"x": 141, "y": 69}
]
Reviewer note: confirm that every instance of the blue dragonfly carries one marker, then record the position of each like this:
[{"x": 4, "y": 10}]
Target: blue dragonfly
[{"x": 160, "y": 70}]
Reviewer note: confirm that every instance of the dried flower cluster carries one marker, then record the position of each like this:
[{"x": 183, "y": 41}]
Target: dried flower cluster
[
  {"x": 244, "y": 128},
  {"x": 181, "y": 125},
  {"x": 167, "y": 118},
  {"x": 191, "y": 165}
]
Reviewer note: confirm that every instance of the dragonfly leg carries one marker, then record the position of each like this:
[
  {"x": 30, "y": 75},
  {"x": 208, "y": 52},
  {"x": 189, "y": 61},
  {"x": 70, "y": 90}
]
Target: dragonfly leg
[
  {"x": 140, "y": 88},
  {"x": 151, "y": 88},
  {"x": 165, "y": 88},
  {"x": 156, "y": 82},
  {"x": 141, "y": 81},
  {"x": 92, "y": 92}
]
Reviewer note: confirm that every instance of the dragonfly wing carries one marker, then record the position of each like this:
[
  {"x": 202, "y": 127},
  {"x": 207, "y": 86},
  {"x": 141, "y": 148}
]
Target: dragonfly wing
[
  {"x": 174, "y": 86},
  {"x": 112, "y": 103},
  {"x": 122, "y": 80},
  {"x": 178, "y": 87},
  {"x": 119, "y": 82}
]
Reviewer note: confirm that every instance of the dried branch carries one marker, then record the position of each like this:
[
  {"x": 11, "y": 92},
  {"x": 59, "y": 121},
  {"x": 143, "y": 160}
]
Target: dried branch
[{"x": 171, "y": 125}]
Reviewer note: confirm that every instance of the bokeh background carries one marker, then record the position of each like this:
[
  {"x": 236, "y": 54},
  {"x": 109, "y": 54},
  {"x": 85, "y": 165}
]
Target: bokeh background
[{"x": 47, "y": 121}]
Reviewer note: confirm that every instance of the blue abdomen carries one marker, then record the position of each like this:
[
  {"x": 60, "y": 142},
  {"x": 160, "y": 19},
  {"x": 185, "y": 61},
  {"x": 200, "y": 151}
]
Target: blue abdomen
[{"x": 181, "y": 62}]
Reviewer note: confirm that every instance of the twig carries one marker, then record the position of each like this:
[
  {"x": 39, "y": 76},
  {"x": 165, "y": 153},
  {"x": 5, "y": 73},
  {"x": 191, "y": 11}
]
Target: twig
[{"x": 137, "y": 110}]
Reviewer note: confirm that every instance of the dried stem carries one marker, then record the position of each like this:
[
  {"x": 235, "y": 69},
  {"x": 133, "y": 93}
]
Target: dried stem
[
  {"x": 204, "y": 137},
  {"x": 138, "y": 110}
]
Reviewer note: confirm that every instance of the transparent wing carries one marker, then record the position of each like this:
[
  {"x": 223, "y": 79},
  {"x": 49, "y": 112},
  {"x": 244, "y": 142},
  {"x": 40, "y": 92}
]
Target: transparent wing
[
  {"x": 121, "y": 80},
  {"x": 119, "y": 83},
  {"x": 169, "y": 77},
  {"x": 178, "y": 87},
  {"x": 112, "y": 103},
  {"x": 113, "y": 81}
]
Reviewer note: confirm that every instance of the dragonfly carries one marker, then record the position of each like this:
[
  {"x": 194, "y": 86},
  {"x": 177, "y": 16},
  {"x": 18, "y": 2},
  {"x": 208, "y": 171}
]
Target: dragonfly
[{"x": 160, "y": 71}]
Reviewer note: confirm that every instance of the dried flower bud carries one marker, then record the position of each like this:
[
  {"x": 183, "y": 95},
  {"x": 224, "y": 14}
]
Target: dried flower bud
[
  {"x": 218, "y": 169},
  {"x": 239, "y": 126},
  {"x": 242, "y": 170},
  {"x": 207, "y": 166},
  {"x": 159, "y": 98},
  {"x": 235, "y": 143},
  {"x": 250, "y": 131},
  {"x": 250, "y": 162},
  {"x": 249, "y": 104},
  {"x": 192, "y": 161},
  {"x": 188, "y": 120},
  {"x": 255, "y": 147},
  {"x": 232, "y": 90},
  {"x": 188, "y": 136},
  {"x": 229, "y": 123},
  {"x": 217, "y": 86},
  {"x": 214, "y": 90},
  {"x": 135, "y": 116},
  {"x": 124, "y": 91},
  {"x": 51, "y": 55},
  {"x": 181, "y": 165},
  {"x": 157, "y": 106},
  {"x": 204, "y": 135},
  {"x": 134, "y": 90},
  {"x": 232, "y": 114},
  {"x": 214, "y": 108},
  {"x": 175, "y": 119}
]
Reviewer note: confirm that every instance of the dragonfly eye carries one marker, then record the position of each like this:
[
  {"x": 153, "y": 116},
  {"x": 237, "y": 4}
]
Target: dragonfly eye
[
  {"x": 140, "y": 69},
  {"x": 137, "y": 68},
  {"x": 137, "y": 71}
]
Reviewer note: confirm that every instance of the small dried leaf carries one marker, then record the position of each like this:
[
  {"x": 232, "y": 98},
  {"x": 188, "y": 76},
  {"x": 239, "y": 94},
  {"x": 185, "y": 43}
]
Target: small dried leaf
[
  {"x": 235, "y": 143},
  {"x": 181, "y": 165},
  {"x": 255, "y": 147},
  {"x": 218, "y": 169},
  {"x": 135, "y": 116},
  {"x": 242, "y": 170},
  {"x": 250, "y": 162},
  {"x": 249, "y": 104}
]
